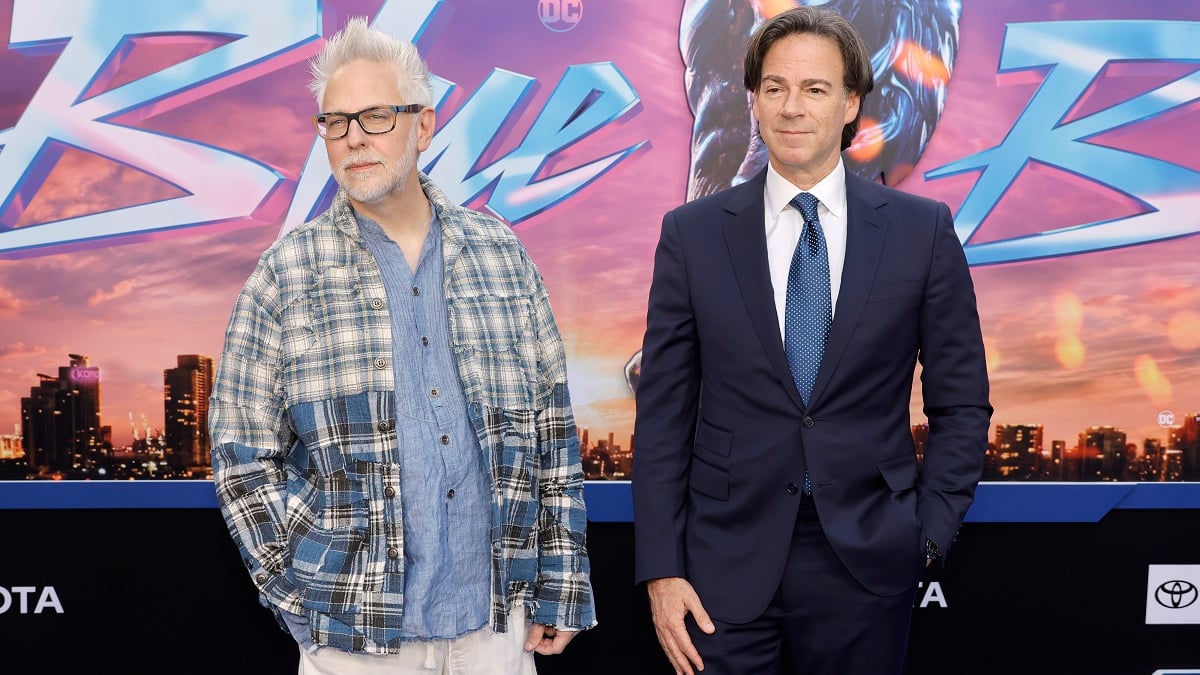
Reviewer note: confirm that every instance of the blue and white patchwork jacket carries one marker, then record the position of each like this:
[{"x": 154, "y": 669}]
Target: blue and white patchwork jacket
[{"x": 303, "y": 429}]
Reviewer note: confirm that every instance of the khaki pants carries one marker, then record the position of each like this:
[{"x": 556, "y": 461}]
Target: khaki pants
[{"x": 481, "y": 652}]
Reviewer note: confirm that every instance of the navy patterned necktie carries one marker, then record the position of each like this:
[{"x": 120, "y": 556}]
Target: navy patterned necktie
[
  {"x": 809, "y": 310},
  {"x": 808, "y": 313}
]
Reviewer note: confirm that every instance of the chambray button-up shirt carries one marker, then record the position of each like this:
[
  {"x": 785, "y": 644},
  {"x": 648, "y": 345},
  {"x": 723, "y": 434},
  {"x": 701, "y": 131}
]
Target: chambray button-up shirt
[{"x": 443, "y": 476}]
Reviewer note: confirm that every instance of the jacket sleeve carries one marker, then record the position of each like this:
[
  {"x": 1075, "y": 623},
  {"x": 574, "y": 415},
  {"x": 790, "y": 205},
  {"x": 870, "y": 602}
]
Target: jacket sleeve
[
  {"x": 563, "y": 594},
  {"x": 250, "y": 437},
  {"x": 668, "y": 395},
  {"x": 954, "y": 386}
]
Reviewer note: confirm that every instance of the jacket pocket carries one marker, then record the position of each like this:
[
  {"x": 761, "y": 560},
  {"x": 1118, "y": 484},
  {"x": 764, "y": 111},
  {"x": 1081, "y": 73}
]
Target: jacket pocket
[
  {"x": 329, "y": 553},
  {"x": 708, "y": 479},
  {"x": 713, "y": 439},
  {"x": 900, "y": 473}
]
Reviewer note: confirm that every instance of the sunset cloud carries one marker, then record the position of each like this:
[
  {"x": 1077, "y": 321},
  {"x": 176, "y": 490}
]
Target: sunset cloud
[
  {"x": 122, "y": 288},
  {"x": 20, "y": 349},
  {"x": 9, "y": 303}
]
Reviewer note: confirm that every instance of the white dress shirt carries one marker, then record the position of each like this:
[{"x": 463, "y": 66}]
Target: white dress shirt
[{"x": 784, "y": 225}]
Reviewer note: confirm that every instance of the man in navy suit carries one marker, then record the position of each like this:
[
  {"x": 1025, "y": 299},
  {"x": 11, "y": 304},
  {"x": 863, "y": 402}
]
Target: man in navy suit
[{"x": 782, "y": 520}]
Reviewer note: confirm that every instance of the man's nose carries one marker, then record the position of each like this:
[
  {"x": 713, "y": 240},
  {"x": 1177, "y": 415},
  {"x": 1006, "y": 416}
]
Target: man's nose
[
  {"x": 355, "y": 134},
  {"x": 793, "y": 104}
]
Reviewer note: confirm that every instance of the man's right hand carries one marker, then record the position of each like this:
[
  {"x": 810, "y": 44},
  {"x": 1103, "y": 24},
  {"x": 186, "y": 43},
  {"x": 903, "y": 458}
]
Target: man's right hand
[{"x": 671, "y": 599}]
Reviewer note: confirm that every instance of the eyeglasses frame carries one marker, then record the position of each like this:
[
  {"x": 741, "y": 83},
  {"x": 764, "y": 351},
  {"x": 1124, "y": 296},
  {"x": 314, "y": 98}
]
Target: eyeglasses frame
[{"x": 353, "y": 117}]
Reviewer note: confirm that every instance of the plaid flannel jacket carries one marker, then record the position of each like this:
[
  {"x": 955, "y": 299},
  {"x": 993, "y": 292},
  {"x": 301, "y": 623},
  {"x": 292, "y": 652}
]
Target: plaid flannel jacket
[{"x": 303, "y": 429}]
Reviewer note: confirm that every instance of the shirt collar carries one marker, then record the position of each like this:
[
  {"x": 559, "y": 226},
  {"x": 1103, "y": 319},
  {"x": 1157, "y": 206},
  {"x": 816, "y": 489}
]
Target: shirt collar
[{"x": 830, "y": 190}]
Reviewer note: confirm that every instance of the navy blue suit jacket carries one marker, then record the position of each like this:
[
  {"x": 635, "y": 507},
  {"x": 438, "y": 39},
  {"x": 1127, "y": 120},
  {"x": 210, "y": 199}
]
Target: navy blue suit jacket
[{"x": 723, "y": 437}]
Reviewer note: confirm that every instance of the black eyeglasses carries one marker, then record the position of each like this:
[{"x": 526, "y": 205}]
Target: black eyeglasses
[{"x": 378, "y": 120}]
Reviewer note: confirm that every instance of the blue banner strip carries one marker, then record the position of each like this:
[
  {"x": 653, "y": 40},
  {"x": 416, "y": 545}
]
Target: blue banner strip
[{"x": 610, "y": 501}]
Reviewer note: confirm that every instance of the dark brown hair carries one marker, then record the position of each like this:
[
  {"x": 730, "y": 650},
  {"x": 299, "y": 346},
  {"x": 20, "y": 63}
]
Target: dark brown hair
[{"x": 857, "y": 76}]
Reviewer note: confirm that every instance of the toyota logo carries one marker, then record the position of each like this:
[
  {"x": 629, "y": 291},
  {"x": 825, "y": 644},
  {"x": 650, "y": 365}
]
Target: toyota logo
[{"x": 1175, "y": 594}]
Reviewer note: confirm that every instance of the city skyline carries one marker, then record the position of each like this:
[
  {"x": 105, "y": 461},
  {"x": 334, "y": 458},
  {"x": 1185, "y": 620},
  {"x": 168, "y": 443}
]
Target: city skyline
[
  {"x": 1017, "y": 451},
  {"x": 151, "y": 418}
]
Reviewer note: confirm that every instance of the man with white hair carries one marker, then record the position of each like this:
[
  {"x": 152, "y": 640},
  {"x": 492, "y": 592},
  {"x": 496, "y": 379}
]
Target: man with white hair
[{"x": 394, "y": 450}]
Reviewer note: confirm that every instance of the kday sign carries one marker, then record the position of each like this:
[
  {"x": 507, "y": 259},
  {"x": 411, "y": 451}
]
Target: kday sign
[{"x": 149, "y": 156}]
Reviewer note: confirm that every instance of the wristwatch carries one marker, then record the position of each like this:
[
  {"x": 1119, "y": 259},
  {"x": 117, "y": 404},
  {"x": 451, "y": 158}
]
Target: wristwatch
[{"x": 931, "y": 550}]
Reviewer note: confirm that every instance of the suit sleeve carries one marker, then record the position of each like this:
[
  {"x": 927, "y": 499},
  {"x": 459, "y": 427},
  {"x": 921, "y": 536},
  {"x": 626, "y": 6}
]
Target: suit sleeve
[
  {"x": 954, "y": 385},
  {"x": 667, "y": 397}
]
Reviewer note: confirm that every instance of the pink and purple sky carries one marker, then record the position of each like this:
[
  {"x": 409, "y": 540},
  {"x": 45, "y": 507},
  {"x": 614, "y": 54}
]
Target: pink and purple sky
[{"x": 1092, "y": 339}]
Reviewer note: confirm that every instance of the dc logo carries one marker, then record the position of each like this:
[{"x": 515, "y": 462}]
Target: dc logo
[
  {"x": 1175, "y": 594},
  {"x": 560, "y": 16},
  {"x": 1166, "y": 418}
]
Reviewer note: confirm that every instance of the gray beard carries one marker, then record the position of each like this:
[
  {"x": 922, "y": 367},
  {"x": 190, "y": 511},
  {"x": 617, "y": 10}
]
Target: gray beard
[{"x": 393, "y": 179}]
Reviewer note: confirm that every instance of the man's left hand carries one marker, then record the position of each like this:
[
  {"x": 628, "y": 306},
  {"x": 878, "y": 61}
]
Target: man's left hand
[{"x": 547, "y": 640}]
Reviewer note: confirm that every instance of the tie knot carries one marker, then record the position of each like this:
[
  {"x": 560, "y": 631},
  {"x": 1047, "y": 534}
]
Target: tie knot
[{"x": 807, "y": 205}]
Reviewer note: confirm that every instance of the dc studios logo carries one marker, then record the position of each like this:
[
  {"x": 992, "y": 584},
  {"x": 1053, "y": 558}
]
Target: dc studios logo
[
  {"x": 560, "y": 16},
  {"x": 1172, "y": 594}
]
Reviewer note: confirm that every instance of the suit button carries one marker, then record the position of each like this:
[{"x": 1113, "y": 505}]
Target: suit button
[
  {"x": 792, "y": 488},
  {"x": 809, "y": 422}
]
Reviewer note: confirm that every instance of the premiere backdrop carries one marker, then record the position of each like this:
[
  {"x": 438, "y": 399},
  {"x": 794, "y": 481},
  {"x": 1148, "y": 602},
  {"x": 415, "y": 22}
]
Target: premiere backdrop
[{"x": 150, "y": 151}]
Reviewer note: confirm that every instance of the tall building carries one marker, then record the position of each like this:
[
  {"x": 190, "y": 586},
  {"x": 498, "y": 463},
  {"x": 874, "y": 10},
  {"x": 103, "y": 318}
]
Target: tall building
[
  {"x": 1186, "y": 438},
  {"x": 185, "y": 410},
  {"x": 1150, "y": 462},
  {"x": 60, "y": 421},
  {"x": 11, "y": 446},
  {"x": 1058, "y": 460},
  {"x": 1019, "y": 450},
  {"x": 1103, "y": 453},
  {"x": 920, "y": 436}
]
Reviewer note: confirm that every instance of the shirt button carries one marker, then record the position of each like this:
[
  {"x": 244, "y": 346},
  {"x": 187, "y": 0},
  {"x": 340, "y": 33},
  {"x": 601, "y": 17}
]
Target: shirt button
[
  {"x": 385, "y": 426},
  {"x": 809, "y": 422},
  {"x": 376, "y": 303},
  {"x": 393, "y": 553},
  {"x": 792, "y": 488},
  {"x": 260, "y": 578},
  {"x": 450, "y": 494},
  {"x": 416, "y": 291},
  {"x": 445, "y": 440},
  {"x": 389, "y": 492},
  {"x": 381, "y": 362},
  {"x": 433, "y": 392},
  {"x": 424, "y": 341}
]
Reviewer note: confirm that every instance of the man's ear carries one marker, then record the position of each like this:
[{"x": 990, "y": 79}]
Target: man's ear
[
  {"x": 853, "y": 101},
  {"x": 426, "y": 123}
]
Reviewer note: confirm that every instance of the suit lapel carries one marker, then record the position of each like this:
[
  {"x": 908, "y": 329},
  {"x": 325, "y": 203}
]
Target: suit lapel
[
  {"x": 865, "y": 228},
  {"x": 746, "y": 238}
]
